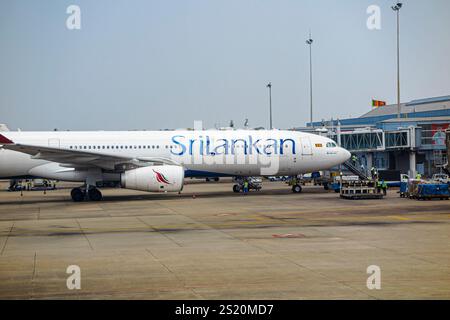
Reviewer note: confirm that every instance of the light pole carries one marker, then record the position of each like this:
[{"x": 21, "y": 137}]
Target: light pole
[
  {"x": 310, "y": 42},
  {"x": 397, "y": 8},
  {"x": 270, "y": 103}
]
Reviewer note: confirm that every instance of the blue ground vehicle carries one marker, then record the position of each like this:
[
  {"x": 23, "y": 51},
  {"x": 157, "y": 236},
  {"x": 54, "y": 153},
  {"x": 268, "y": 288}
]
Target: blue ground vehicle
[
  {"x": 433, "y": 191},
  {"x": 403, "y": 189}
]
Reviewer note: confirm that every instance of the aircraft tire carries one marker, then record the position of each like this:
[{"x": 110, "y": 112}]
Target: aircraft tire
[
  {"x": 297, "y": 188},
  {"x": 95, "y": 194},
  {"x": 77, "y": 195}
]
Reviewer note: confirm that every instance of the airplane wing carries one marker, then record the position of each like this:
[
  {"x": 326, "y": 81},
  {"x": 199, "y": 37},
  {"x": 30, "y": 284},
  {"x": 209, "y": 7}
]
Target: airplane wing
[{"x": 82, "y": 158}]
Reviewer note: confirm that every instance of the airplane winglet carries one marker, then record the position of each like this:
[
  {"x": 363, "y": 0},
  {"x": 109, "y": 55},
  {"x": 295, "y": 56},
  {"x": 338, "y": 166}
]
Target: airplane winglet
[{"x": 5, "y": 140}]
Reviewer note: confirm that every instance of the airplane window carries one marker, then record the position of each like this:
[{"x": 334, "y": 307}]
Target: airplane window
[{"x": 331, "y": 145}]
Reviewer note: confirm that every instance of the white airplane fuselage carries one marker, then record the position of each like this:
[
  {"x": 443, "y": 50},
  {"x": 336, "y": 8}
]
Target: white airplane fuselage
[{"x": 201, "y": 153}]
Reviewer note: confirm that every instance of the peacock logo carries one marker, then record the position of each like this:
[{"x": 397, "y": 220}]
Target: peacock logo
[{"x": 161, "y": 178}]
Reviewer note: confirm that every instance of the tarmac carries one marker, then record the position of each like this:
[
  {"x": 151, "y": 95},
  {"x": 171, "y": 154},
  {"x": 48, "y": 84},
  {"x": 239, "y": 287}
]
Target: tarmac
[{"x": 210, "y": 243}]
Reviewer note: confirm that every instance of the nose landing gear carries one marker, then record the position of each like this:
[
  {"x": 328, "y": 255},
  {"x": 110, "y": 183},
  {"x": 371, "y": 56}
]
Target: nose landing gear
[{"x": 297, "y": 188}]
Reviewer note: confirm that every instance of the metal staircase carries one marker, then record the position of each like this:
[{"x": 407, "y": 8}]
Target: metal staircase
[{"x": 355, "y": 170}]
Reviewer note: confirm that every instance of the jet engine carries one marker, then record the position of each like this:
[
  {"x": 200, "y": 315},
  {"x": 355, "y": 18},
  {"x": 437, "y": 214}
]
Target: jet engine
[{"x": 154, "y": 178}]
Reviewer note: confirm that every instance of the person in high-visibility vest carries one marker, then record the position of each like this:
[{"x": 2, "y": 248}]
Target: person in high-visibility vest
[
  {"x": 384, "y": 187},
  {"x": 245, "y": 186},
  {"x": 379, "y": 186},
  {"x": 418, "y": 176}
]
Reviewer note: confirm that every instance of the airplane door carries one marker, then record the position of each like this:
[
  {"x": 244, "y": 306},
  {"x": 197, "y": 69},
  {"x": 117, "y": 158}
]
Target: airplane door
[
  {"x": 306, "y": 146},
  {"x": 53, "y": 143}
]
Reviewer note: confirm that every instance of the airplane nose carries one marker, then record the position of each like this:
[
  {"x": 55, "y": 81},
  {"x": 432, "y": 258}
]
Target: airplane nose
[{"x": 345, "y": 154}]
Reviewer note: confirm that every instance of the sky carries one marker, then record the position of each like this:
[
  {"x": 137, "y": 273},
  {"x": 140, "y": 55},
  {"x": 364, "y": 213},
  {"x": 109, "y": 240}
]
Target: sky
[{"x": 155, "y": 64}]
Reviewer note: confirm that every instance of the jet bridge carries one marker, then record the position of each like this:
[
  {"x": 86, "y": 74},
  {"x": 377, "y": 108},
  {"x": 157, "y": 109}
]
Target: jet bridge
[{"x": 373, "y": 140}]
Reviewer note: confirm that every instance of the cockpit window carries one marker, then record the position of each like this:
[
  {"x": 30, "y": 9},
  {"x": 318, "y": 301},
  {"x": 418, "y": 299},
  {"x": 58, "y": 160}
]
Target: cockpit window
[{"x": 331, "y": 145}]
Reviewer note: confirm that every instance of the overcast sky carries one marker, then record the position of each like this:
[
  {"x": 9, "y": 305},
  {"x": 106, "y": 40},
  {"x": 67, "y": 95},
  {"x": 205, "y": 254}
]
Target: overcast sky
[{"x": 163, "y": 64}]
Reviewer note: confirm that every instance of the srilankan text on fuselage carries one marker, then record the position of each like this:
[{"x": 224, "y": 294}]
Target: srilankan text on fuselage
[{"x": 205, "y": 145}]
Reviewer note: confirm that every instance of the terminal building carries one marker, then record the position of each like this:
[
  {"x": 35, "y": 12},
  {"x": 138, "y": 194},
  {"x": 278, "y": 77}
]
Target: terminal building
[{"x": 413, "y": 143}]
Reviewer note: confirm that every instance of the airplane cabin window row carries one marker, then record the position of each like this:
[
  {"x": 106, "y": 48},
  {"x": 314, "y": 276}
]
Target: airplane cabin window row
[{"x": 120, "y": 147}]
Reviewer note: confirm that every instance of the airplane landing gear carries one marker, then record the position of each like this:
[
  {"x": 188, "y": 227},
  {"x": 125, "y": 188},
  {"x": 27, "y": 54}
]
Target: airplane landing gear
[
  {"x": 296, "y": 188},
  {"x": 79, "y": 194},
  {"x": 94, "y": 194},
  {"x": 236, "y": 188}
]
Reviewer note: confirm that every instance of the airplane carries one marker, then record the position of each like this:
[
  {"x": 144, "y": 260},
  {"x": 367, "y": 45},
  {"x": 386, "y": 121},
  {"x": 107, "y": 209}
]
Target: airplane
[{"x": 158, "y": 161}]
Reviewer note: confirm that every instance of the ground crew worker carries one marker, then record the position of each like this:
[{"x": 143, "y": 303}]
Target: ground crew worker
[
  {"x": 354, "y": 159},
  {"x": 384, "y": 187},
  {"x": 245, "y": 186},
  {"x": 418, "y": 176},
  {"x": 374, "y": 172},
  {"x": 294, "y": 181}
]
